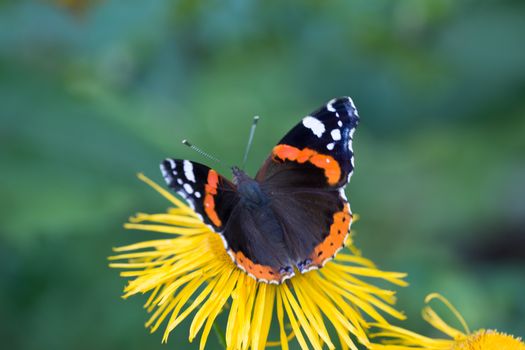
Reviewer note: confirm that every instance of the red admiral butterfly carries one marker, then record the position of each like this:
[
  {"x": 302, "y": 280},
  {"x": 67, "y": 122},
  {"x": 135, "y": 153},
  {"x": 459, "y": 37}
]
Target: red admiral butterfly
[{"x": 295, "y": 212}]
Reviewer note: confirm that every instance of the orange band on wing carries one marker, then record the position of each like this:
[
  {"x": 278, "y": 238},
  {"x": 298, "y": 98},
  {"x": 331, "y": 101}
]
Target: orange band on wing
[
  {"x": 331, "y": 168},
  {"x": 335, "y": 239},
  {"x": 260, "y": 272},
  {"x": 209, "y": 199}
]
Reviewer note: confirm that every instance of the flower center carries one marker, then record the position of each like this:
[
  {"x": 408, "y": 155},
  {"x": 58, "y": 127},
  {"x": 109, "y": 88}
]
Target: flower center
[{"x": 489, "y": 340}]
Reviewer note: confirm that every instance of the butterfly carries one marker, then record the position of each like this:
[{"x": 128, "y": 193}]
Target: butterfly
[{"x": 294, "y": 215}]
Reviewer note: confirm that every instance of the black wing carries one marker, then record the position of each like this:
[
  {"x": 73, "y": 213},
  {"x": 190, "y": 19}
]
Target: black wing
[
  {"x": 211, "y": 195},
  {"x": 323, "y": 140},
  {"x": 306, "y": 174}
]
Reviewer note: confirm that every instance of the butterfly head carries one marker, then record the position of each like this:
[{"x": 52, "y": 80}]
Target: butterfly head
[
  {"x": 249, "y": 190},
  {"x": 239, "y": 175}
]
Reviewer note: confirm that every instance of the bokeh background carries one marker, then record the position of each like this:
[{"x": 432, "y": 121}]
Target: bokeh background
[{"x": 93, "y": 92}]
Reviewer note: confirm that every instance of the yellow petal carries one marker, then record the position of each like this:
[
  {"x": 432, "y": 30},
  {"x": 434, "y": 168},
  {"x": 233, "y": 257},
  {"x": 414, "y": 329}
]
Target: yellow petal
[
  {"x": 331, "y": 311},
  {"x": 311, "y": 312},
  {"x": 262, "y": 315},
  {"x": 280, "y": 318},
  {"x": 178, "y": 203},
  {"x": 305, "y": 325},
  {"x": 187, "y": 294},
  {"x": 233, "y": 324},
  {"x": 293, "y": 322},
  {"x": 250, "y": 301},
  {"x": 166, "y": 229},
  {"x": 170, "y": 219},
  {"x": 216, "y": 308}
]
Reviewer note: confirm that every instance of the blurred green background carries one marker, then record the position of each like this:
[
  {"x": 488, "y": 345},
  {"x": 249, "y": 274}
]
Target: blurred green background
[{"x": 93, "y": 92}]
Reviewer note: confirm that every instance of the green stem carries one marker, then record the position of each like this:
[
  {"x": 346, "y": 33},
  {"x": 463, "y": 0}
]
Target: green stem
[{"x": 220, "y": 334}]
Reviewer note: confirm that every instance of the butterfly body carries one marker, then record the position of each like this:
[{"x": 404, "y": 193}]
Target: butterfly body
[
  {"x": 294, "y": 215},
  {"x": 249, "y": 190}
]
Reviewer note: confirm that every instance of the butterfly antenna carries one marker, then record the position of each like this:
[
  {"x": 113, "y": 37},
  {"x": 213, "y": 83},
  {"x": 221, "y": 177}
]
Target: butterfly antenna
[
  {"x": 201, "y": 152},
  {"x": 250, "y": 140}
]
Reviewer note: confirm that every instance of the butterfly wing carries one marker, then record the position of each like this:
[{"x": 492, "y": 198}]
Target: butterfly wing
[
  {"x": 256, "y": 244},
  {"x": 306, "y": 174},
  {"x": 215, "y": 199},
  {"x": 211, "y": 195},
  {"x": 322, "y": 139}
]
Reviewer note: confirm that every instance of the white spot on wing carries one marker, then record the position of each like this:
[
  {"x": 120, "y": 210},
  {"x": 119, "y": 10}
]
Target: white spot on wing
[
  {"x": 198, "y": 194},
  {"x": 351, "y": 103},
  {"x": 287, "y": 277},
  {"x": 336, "y": 134},
  {"x": 230, "y": 253},
  {"x": 188, "y": 170},
  {"x": 350, "y": 136},
  {"x": 164, "y": 172},
  {"x": 340, "y": 123},
  {"x": 330, "y": 106},
  {"x": 225, "y": 243},
  {"x": 330, "y": 146},
  {"x": 172, "y": 163},
  {"x": 188, "y": 188},
  {"x": 315, "y": 125},
  {"x": 310, "y": 268},
  {"x": 180, "y": 182},
  {"x": 343, "y": 194},
  {"x": 187, "y": 199}
]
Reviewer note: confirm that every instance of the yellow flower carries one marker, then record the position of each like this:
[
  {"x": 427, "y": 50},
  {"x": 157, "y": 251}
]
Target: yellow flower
[
  {"x": 402, "y": 339},
  {"x": 191, "y": 273},
  {"x": 489, "y": 340}
]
